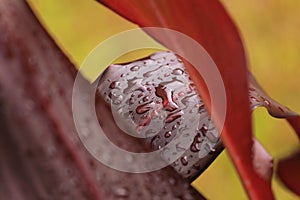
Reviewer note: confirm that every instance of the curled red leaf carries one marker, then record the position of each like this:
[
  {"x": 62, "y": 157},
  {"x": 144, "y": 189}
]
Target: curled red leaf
[
  {"x": 208, "y": 23},
  {"x": 288, "y": 172}
]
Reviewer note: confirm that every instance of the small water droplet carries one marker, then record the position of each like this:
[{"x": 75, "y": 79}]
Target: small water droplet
[
  {"x": 195, "y": 147},
  {"x": 204, "y": 129},
  {"x": 146, "y": 98},
  {"x": 131, "y": 101},
  {"x": 134, "y": 68},
  {"x": 140, "y": 95},
  {"x": 168, "y": 134},
  {"x": 144, "y": 108},
  {"x": 253, "y": 99},
  {"x": 171, "y": 117},
  {"x": 120, "y": 192},
  {"x": 267, "y": 102},
  {"x": 177, "y": 71},
  {"x": 184, "y": 160},
  {"x": 114, "y": 85},
  {"x": 174, "y": 127}
]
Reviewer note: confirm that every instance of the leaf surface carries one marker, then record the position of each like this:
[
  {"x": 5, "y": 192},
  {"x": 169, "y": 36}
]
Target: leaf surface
[{"x": 208, "y": 23}]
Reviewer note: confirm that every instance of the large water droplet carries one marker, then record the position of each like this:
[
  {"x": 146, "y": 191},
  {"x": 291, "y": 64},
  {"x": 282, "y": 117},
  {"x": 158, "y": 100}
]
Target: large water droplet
[{"x": 166, "y": 95}]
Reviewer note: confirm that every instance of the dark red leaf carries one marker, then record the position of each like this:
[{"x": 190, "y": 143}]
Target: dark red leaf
[
  {"x": 41, "y": 156},
  {"x": 288, "y": 172},
  {"x": 208, "y": 23}
]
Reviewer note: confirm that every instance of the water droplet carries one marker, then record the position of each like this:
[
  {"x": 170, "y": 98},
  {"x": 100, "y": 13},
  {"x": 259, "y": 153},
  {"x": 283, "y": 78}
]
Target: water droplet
[
  {"x": 166, "y": 95},
  {"x": 146, "y": 98},
  {"x": 140, "y": 95},
  {"x": 134, "y": 68},
  {"x": 204, "y": 129},
  {"x": 145, "y": 121},
  {"x": 267, "y": 102},
  {"x": 177, "y": 71},
  {"x": 168, "y": 134},
  {"x": 184, "y": 160},
  {"x": 253, "y": 99},
  {"x": 131, "y": 101},
  {"x": 145, "y": 107},
  {"x": 120, "y": 192},
  {"x": 171, "y": 117},
  {"x": 114, "y": 85},
  {"x": 195, "y": 146},
  {"x": 174, "y": 127}
]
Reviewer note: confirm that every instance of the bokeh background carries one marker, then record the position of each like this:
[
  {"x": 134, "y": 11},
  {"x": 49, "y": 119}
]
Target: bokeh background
[{"x": 270, "y": 30}]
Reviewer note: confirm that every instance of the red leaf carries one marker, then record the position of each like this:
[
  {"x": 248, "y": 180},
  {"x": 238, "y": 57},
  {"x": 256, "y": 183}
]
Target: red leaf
[
  {"x": 208, "y": 23},
  {"x": 288, "y": 171},
  {"x": 41, "y": 154}
]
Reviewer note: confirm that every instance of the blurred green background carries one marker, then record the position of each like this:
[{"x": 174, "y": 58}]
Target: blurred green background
[{"x": 270, "y": 30}]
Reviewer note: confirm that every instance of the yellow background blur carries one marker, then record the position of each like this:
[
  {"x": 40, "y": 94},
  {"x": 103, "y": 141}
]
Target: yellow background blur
[{"x": 270, "y": 29}]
